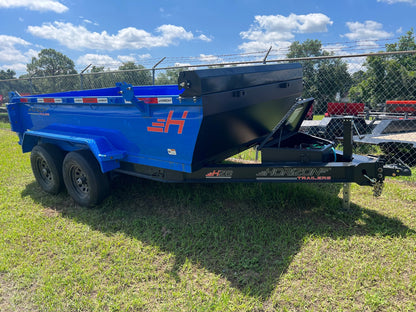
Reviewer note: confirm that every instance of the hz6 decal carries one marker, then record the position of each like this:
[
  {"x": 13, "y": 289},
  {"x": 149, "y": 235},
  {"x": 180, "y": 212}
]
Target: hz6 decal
[{"x": 163, "y": 125}]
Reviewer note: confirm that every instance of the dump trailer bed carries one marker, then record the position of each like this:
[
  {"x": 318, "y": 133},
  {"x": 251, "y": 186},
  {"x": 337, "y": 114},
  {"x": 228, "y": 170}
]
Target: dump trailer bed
[{"x": 183, "y": 133}]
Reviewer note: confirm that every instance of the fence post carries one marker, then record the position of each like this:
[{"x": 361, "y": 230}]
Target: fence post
[
  {"x": 348, "y": 143},
  {"x": 81, "y": 78},
  {"x": 267, "y": 54},
  {"x": 154, "y": 69}
]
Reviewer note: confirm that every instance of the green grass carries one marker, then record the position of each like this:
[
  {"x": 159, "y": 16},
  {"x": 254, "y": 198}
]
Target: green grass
[
  {"x": 221, "y": 247},
  {"x": 318, "y": 117},
  {"x": 4, "y": 121}
]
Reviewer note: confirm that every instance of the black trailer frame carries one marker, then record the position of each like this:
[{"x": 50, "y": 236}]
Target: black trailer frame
[{"x": 347, "y": 168}]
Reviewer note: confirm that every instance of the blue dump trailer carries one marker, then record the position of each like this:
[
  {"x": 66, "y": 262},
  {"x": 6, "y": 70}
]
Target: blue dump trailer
[{"x": 183, "y": 133}]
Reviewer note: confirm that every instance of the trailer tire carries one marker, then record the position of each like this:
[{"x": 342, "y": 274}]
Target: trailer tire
[
  {"x": 83, "y": 178},
  {"x": 46, "y": 161}
]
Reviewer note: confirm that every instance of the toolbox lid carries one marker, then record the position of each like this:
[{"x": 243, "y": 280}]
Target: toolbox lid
[
  {"x": 290, "y": 124},
  {"x": 206, "y": 81}
]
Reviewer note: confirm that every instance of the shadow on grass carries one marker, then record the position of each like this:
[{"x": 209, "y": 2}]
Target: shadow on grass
[{"x": 247, "y": 233}]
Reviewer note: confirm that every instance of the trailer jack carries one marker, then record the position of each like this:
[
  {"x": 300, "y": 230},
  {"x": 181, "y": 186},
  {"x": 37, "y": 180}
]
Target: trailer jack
[{"x": 378, "y": 186}]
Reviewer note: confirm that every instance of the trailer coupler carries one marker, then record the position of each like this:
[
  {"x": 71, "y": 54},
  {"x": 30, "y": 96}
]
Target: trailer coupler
[
  {"x": 396, "y": 170},
  {"x": 388, "y": 170}
]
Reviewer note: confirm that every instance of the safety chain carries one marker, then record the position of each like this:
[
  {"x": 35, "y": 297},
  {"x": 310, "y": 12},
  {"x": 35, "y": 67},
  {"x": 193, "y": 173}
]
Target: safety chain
[
  {"x": 378, "y": 188},
  {"x": 378, "y": 185}
]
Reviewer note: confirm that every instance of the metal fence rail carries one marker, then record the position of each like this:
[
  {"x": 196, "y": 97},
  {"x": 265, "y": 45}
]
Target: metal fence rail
[{"x": 379, "y": 89}]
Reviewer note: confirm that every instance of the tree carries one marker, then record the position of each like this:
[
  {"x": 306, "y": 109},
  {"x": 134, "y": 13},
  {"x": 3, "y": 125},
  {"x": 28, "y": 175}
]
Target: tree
[
  {"x": 134, "y": 74},
  {"x": 170, "y": 76},
  {"x": 9, "y": 83},
  {"x": 323, "y": 78},
  {"x": 96, "y": 78},
  {"x": 9, "y": 74},
  {"x": 50, "y": 63},
  {"x": 406, "y": 43},
  {"x": 388, "y": 77}
]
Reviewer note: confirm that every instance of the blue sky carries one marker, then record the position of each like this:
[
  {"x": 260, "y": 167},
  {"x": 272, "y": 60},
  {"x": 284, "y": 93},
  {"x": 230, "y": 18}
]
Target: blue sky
[{"x": 108, "y": 33}]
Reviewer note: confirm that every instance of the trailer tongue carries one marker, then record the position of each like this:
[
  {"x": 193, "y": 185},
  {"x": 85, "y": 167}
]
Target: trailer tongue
[{"x": 184, "y": 135}]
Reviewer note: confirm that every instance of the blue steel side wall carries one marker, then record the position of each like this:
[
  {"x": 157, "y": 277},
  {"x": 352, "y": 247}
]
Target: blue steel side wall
[{"x": 147, "y": 140}]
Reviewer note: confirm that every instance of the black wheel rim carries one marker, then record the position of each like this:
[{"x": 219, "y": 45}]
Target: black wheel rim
[
  {"x": 44, "y": 171},
  {"x": 79, "y": 181}
]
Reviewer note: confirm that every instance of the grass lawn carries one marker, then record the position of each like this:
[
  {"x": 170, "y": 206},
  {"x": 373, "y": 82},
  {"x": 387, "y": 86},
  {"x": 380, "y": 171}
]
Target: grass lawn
[
  {"x": 221, "y": 247},
  {"x": 4, "y": 119},
  {"x": 318, "y": 117}
]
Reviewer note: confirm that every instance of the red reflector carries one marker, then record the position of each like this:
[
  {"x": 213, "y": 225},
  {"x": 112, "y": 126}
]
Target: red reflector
[
  {"x": 90, "y": 100},
  {"x": 149, "y": 100}
]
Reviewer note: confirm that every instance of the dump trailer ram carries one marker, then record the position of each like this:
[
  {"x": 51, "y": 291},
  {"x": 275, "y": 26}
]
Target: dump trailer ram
[{"x": 183, "y": 133}]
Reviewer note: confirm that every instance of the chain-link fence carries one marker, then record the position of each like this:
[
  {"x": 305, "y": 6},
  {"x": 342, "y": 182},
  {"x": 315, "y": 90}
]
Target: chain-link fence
[{"x": 378, "y": 89}]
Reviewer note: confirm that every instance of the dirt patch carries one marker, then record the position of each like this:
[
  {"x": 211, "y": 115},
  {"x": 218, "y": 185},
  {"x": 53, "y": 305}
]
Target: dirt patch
[
  {"x": 14, "y": 299},
  {"x": 51, "y": 213}
]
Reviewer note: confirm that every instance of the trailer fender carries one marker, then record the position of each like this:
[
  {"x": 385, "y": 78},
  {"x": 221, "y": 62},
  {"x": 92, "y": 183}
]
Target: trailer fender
[
  {"x": 13, "y": 111},
  {"x": 106, "y": 154}
]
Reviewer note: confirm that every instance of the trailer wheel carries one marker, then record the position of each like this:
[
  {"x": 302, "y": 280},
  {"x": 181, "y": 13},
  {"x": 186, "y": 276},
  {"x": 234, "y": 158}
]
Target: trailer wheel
[
  {"x": 85, "y": 182},
  {"x": 46, "y": 161}
]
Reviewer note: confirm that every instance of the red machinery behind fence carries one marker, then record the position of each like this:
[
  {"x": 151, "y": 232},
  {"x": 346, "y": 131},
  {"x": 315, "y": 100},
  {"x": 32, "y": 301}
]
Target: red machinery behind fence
[
  {"x": 343, "y": 109},
  {"x": 408, "y": 107}
]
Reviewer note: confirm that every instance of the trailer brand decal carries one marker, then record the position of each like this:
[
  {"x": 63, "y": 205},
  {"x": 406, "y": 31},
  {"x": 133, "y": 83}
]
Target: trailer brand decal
[
  {"x": 319, "y": 179},
  {"x": 163, "y": 125},
  {"x": 219, "y": 174},
  {"x": 43, "y": 111},
  {"x": 301, "y": 174}
]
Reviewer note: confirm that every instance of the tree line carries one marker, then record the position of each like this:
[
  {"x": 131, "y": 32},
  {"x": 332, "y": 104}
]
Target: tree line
[{"x": 327, "y": 80}]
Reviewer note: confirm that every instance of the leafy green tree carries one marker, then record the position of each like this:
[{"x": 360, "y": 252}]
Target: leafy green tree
[
  {"x": 97, "y": 78},
  {"x": 388, "y": 77},
  {"x": 10, "y": 83},
  {"x": 323, "y": 78},
  {"x": 9, "y": 74},
  {"x": 406, "y": 43},
  {"x": 134, "y": 74},
  {"x": 52, "y": 63},
  {"x": 97, "y": 69},
  {"x": 170, "y": 76}
]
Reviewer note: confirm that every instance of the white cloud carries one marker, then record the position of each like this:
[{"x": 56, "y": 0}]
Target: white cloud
[
  {"x": 109, "y": 62},
  {"x": 144, "y": 56},
  {"x": 18, "y": 68},
  {"x": 412, "y": 2},
  {"x": 179, "y": 64},
  {"x": 313, "y": 23},
  {"x": 99, "y": 60},
  {"x": 126, "y": 58},
  {"x": 35, "y": 5},
  {"x": 337, "y": 48},
  {"x": 204, "y": 38},
  {"x": 369, "y": 30},
  {"x": 278, "y": 30},
  {"x": 79, "y": 37},
  {"x": 90, "y": 22},
  {"x": 209, "y": 58},
  {"x": 13, "y": 58}
]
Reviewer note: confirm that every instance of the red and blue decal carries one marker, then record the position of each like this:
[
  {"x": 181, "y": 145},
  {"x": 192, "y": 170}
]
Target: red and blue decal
[{"x": 163, "y": 125}]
